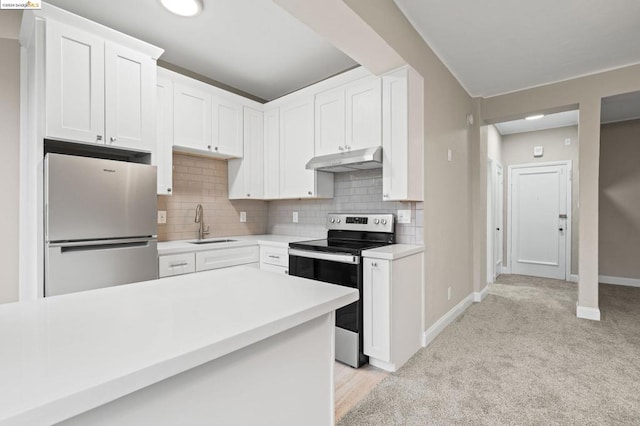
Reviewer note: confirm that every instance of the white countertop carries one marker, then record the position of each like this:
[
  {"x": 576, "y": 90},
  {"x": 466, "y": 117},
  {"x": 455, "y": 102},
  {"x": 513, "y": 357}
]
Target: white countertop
[
  {"x": 393, "y": 252},
  {"x": 63, "y": 355},
  {"x": 182, "y": 246}
]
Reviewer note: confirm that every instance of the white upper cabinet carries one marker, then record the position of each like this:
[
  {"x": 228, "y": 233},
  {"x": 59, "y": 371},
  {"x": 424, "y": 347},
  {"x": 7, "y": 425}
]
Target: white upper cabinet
[
  {"x": 272, "y": 153},
  {"x": 98, "y": 91},
  {"x": 74, "y": 84},
  {"x": 227, "y": 127},
  {"x": 330, "y": 125},
  {"x": 130, "y": 81},
  {"x": 349, "y": 117},
  {"x": 164, "y": 131},
  {"x": 403, "y": 136},
  {"x": 364, "y": 114},
  {"x": 191, "y": 117},
  {"x": 246, "y": 174},
  {"x": 296, "y": 149}
]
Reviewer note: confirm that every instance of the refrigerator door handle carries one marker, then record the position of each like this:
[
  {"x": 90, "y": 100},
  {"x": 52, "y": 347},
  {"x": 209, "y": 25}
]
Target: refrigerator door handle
[{"x": 102, "y": 244}]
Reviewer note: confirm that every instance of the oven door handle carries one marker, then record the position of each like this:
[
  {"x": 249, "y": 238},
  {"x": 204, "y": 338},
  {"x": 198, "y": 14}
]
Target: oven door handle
[{"x": 332, "y": 257}]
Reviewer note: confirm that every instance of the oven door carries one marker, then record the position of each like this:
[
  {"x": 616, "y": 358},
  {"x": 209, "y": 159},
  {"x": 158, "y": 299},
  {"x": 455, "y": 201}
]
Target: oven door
[{"x": 335, "y": 268}]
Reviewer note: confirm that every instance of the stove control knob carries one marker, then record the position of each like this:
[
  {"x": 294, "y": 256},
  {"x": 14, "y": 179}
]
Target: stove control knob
[
  {"x": 377, "y": 221},
  {"x": 338, "y": 220},
  {"x": 384, "y": 221}
]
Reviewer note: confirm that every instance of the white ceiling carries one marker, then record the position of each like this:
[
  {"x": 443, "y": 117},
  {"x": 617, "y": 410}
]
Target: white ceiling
[
  {"x": 551, "y": 121},
  {"x": 501, "y": 46},
  {"x": 252, "y": 45}
]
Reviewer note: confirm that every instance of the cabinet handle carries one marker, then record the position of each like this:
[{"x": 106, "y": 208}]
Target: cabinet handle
[
  {"x": 273, "y": 257},
  {"x": 385, "y": 195},
  {"x": 112, "y": 139},
  {"x": 168, "y": 189},
  {"x": 286, "y": 271},
  {"x": 209, "y": 147},
  {"x": 175, "y": 265},
  {"x": 216, "y": 148},
  {"x": 374, "y": 264},
  {"x": 347, "y": 147},
  {"x": 248, "y": 195},
  {"x": 341, "y": 148},
  {"x": 310, "y": 193},
  {"x": 98, "y": 137}
]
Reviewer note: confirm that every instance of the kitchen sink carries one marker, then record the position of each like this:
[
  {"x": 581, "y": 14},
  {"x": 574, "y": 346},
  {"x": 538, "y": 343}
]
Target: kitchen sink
[{"x": 212, "y": 241}]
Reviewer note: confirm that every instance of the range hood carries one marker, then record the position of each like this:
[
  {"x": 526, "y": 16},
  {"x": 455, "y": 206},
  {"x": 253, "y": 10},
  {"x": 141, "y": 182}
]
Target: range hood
[{"x": 348, "y": 161}]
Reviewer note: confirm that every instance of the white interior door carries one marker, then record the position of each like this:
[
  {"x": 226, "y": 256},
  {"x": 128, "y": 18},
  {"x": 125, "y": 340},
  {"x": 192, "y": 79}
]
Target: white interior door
[
  {"x": 539, "y": 220},
  {"x": 498, "y": 204}
]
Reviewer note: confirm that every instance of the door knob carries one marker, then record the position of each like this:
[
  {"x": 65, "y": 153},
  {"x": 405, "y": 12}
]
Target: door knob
[
  {"x": 560, "y": 229},
  {"x": 497, "y": 229}
]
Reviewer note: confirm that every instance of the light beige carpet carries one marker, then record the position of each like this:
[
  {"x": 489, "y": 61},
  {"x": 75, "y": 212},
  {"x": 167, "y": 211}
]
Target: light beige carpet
[{"x": 521, "y": 357}]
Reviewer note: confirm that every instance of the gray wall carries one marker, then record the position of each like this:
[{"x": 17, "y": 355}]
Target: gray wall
[
  {"x": 355, "y": 192},
  {"x": 9, "y": 171},
  {"x": 619, "y": 245},
  {"x": 518, "y": 149}
]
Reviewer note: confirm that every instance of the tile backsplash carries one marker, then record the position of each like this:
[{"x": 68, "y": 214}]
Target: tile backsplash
[
  {"x": 354, "y": 192},
  {"x": 200, "y": 180},
  {"x": 204, "y": 180}
]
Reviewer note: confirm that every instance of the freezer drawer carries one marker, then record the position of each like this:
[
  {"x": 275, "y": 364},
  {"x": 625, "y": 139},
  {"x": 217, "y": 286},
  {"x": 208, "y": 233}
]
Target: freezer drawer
[
  {"x": 177, "y": 264},
  {"x": 92, "y": 198},
  {"x": 91, "y": 265}
]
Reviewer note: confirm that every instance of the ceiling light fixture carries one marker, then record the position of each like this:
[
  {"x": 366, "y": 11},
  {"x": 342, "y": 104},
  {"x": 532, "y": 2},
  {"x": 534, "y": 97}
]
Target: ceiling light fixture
[
  {"x": 183, "y": 7},
  {"x": 534, "y": 117}
]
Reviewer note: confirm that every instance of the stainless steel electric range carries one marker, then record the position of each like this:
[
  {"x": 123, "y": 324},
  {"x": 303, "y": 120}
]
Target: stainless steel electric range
[{"x": 338, "y": 260}]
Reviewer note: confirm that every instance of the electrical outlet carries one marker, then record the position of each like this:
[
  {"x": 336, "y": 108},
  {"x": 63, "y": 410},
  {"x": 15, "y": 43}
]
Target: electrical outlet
[
  {"x": 404, "y": 216},
  {"x": 295, "y": 217},
  {"x": 162, "y": 216},
  {"x": 567, "y": 141},
  {"x": 243, "y": 217},
  {"x": 449, "y": 293},
  {"x": 449, "y": 155}
]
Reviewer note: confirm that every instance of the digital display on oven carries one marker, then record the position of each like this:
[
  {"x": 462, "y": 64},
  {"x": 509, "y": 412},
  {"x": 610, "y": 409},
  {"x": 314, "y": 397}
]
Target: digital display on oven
[{"x": 359, "y": 220}]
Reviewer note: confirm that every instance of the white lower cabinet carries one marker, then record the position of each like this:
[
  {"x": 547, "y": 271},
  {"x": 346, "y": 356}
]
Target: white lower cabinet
[
  {"x": 222, "y": 258},
  {"x": 392, "y": 299},
  {"x": 274, "y": 259},
  {"x": 176, "y": 264}
]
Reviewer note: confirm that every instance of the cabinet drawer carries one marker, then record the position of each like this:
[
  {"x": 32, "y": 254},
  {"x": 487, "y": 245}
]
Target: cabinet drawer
[
  {"x": 273, "y": 268},
  {"x": 222, "y": 258},
  {"x": 276, "y": 256},
  {"x": 176, "y": 264}
]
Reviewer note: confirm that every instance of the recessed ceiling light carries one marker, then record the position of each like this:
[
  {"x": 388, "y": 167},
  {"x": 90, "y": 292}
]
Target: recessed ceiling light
[
  {"x": 183, "y": 7},
  {"x": 534, "y": 117}
]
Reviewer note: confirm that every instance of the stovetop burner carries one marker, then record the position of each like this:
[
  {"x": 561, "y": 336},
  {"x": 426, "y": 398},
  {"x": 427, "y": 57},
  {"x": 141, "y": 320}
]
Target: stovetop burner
[{"x": 338, "y": 245}]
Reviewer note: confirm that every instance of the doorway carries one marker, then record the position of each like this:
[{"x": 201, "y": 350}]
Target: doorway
[{"x": 539, "y": 219}]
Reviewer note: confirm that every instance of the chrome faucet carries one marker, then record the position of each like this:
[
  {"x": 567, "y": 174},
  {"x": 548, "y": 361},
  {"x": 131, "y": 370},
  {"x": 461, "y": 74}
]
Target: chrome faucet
[{"x": 200, "y": 219}]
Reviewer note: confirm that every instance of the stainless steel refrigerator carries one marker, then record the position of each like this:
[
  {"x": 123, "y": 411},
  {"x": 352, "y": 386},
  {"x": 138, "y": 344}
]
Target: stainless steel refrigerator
[{"x": 100, "y": 223}]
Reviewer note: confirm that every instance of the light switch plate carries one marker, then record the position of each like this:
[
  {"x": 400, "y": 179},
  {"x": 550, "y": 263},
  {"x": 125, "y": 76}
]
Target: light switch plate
[
  {"x": 404, "y": 216},
  {"x": 567, "y": 141},
  {"x": 538, "y": 151},
  {"x": 295, "y": 217},
  {"x": 449, "y": 155},
  {"x": 162, "y": 216},
  {"x": 243, "y": 217}
]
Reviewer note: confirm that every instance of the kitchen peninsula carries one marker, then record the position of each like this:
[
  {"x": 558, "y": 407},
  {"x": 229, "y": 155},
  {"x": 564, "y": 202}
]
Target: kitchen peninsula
[{"x": 228, "y": 346}]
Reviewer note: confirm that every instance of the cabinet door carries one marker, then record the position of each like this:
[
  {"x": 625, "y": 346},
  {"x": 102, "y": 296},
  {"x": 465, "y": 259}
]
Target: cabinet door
[
  {"x": 246, "y": 174},
  {"x": 395, "y": 138},
  {"x": 296, "y": 149},
  {"x": 191, "y": 117},
  {"x": 376, "y": 310},
  {"x": 272, "y": 154},
  {"x": 330, "y": 122},
  {"x": 130, "y": 82},
  {"x": 227, "y": 127},
  {"x": 364, "y": 114},
  {"x": 74, "y": 84},
  {"x": 164, "y": 132}
]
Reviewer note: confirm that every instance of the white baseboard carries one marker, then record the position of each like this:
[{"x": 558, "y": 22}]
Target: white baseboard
[
  {"x": 387, "y": 366},
  {"x": 445, "y": 320},
  {"x": 630, "y": 282},
  {"x": 587, "y": 313},
  {"x": 478, "y": 296},
  {"x": 573, "y": 278}
]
